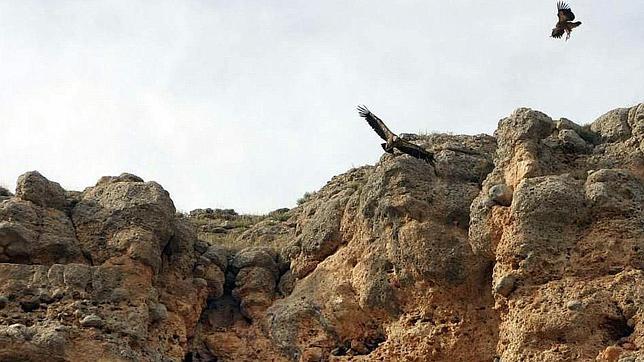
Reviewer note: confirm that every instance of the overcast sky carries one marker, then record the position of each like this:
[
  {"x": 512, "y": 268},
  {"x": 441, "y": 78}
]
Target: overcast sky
[{"x": 248, "y": 104}]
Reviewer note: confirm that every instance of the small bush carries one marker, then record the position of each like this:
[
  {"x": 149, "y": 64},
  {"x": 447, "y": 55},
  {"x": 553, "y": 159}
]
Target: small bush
[
  {"x": 5, "y": 192},
  {"x": 306, "y": 197},
  {"x": 280, "y": 214},
  {"x": 282, "y": 217}
]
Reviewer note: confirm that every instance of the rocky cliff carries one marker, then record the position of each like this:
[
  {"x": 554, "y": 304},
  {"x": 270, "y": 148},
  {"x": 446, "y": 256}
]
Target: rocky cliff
[{"x": 528, "y": 248}]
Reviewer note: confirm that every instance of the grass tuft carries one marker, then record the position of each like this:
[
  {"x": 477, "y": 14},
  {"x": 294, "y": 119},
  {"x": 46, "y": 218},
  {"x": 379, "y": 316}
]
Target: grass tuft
[{"x": 306, "y": 197}]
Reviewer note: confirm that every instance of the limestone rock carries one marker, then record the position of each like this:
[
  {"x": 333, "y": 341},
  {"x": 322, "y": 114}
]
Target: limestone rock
[
  {"x": 505, "y": 286},
  {"x": 33, "y": 234},
  {"x": 615, "y": 191},
  {"x": 255, "y": 289},
  {"x": 286, "y": 283},
  {"x": 256, "y": 257},
  {"x": 501, "y": 194},
  {"x": 63, "y": 292},
  {"x": 218, "y": 256},
  {"x": 574, "y": 305},
  {"x": 77, "y": 276},
  {"x": 92, "y": 320},
  {"x": 528, "y": 246},
  {"x": 125, "y": 218},
  {"x": 268, "y": 233},
  {"x": 158, "y": 312},
  {"x": 572, "y": 140},
  {"x": 124, "y": 177},
  {"x": 213, "y": 276},
  {"x": 34, "y": 187},
  {"x": 560, "y": 238},
  {"x": 613, "y": 126}
]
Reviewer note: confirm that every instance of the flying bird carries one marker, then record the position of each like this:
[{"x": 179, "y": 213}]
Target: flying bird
[
  {"x": 392, "y": 140},
  {"x": 565, "y": 23}
]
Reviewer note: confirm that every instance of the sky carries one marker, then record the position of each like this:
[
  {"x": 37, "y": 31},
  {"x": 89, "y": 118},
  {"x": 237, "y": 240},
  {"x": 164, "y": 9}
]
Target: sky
[{"x": 249, "y": 104}]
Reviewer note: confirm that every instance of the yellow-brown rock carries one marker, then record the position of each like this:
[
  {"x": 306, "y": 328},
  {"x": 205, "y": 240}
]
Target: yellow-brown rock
[{"x": 527, "y": 247}]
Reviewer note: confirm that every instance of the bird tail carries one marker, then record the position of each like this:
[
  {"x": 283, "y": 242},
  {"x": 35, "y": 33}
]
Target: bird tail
[
  {"x": 387, "y": 149},
  {"x": 575, "y": 24}
]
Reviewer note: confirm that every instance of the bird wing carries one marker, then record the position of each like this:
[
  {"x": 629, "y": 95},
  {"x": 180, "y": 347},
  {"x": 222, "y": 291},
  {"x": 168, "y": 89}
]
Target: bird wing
[
  {"x": 564, "y": 13},
  {"x": 415, "y": 150},
  {"x": 376, "y": 123}
]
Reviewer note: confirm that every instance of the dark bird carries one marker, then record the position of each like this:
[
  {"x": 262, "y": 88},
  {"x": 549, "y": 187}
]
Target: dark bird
[
  {"x": 565, "y": 23},
  {"x": 392, "y": 140}
]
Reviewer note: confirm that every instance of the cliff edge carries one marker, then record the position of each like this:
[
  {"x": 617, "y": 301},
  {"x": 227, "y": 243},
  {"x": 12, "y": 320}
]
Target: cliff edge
[{"x": 528, "y": 248}]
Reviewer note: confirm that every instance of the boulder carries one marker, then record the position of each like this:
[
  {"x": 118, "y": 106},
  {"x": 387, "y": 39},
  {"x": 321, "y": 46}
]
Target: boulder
[
  {"x": 34, "y": 187},
  {"x": 571, "y": 140},
  {"x": 501, "y": 194},
  {"x": 126, "y": 217},
  {"x": 217, "y": 255},
  {"x": 613, "y": 126},
  {"x": 33, "y": 234},
  {"x": 256, "y": 257},
  {"x": 92, "y": 320},
  {"x": 255, "y": 290}
]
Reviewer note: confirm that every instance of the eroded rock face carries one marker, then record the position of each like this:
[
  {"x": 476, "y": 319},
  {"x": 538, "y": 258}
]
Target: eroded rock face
[
  {"x": 526, "y": 246},
  {"x": 405, "y": 230},
  {"x": 567, "y": 249},
  {"x": 115, "y": 281},
  {"x": 32, "y": 234},
  {"x": 131, "y": 218}
]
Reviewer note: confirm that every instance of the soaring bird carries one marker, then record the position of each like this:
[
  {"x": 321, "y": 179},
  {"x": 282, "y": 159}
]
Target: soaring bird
[
  {"x": 565, "y": 24},
  {"x": 392, "y": 140}
]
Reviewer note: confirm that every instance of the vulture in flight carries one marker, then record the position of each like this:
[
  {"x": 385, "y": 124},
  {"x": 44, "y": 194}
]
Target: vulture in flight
[
  {"x": 565, "y": 23},
  {"x": 392, "y": 140}
]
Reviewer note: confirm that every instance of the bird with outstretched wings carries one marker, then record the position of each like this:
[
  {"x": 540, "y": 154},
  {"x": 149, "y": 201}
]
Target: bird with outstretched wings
[
  {"x": 392, "y": 140},
  {"x": 565, "y": 23}
]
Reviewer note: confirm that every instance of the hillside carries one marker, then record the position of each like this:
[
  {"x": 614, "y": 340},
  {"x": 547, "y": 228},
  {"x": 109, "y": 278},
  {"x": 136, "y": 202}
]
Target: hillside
[{"x": 531, "y": 248}]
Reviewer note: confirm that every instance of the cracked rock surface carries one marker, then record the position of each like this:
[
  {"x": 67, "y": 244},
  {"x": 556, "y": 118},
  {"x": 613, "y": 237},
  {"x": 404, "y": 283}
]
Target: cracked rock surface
[{"x": 527, "y": 247}]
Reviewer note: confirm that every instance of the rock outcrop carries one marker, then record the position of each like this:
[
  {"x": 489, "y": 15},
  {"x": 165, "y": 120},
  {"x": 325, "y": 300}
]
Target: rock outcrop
[
  {"x": 106, "y": 274},
  {"x": 527, "y": 247},
  {"x": 567, "y": 251}
]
